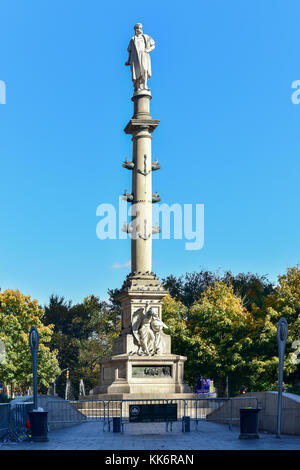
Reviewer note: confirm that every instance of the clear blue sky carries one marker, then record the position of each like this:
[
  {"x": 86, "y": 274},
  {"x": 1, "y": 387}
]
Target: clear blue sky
[{"x": 228, "y": 136}]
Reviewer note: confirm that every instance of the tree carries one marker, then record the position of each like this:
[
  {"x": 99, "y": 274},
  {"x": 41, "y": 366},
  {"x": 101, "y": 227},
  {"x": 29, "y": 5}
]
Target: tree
[
  {"x": 284, "y": 301},
  {"x": 222, "y": 327},
  {"x": 174, "y": 315},
  {"x": 106, "y": 325},
  {"x": 18, "y": 313},
  {"x": 214, "y": 334},
  {"x": 59, "y": 313},
  {"x": 83, "y": 334},
  {"x": 189, "y": 288},
  {"x": 252, "y": 288}
]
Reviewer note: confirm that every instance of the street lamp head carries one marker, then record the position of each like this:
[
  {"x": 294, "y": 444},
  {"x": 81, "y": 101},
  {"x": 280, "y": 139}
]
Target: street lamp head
[
  {"x": 34, "y": 339},
  {"x": 282, "y": 330}
]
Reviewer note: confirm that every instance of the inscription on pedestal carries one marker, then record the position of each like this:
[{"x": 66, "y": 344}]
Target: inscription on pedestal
[{"x": 151, "y": 371}]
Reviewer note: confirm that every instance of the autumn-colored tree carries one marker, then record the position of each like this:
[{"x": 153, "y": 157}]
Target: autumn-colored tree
[
  {"x": 214, "y": 334},
  {"x": 222, "y": 326},
  {"x": 283, "y": 302},
  {"x": 18, "y": 313},
  {"x": 223, "y": 339},
  {"x": 174, "y": 315}
]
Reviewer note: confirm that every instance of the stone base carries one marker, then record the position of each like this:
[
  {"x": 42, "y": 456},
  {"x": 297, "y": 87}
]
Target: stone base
[
  {"x": 139, "y": 396},
  {"x": 127, "y": 373},
  {"x": 154, "y": 376}
]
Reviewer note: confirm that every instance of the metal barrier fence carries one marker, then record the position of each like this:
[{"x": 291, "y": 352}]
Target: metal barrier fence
[
  {"x": 19, "y": 415},
  {"x": 120, "y": 409},
  {"x": 218, "y": 410},
  {"x": 4, "y": 418},
  {"x": 63, "y": 413},
  {"x": 13, "y": 419}
]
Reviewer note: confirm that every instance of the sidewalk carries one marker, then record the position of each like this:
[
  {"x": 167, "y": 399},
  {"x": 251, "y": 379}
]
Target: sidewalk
[{"x": 153, "y": 436}]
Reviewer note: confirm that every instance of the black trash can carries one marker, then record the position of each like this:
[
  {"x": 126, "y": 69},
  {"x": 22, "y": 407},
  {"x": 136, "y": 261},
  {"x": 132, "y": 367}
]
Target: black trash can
[
  {"x": 116, "y": 424},
  {"x": 39, "y": 425},
  {"x": 186, "y": 424},
  {"x": 249, "y": 423}
]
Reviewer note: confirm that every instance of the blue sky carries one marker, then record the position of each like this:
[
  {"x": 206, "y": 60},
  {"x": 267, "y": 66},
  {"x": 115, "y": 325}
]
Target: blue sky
[{"x": 228, "y": 136}]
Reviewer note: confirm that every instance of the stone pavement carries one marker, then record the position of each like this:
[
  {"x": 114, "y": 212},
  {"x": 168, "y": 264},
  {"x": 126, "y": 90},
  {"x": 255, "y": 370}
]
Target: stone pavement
[{"x": 153, "y": 436}]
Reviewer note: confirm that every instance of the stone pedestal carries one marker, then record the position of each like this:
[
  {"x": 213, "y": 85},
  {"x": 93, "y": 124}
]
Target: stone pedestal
[
  {"x": 139, "y": 375},
  {"x": 127, "y": 372}
]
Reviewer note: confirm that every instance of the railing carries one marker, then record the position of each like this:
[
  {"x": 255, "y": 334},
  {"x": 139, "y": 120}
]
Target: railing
[
  {"x": 19, "y": 415},
  {"x": 218, "y": 410},
  {"x": 63, "y": 413},
  {"x": 4, "y": 418},
  {"x": 120, "y": 409},
  {"x": 13, "y": 420}
]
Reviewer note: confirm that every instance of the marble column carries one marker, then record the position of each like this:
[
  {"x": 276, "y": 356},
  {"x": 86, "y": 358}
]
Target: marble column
[{"x": 141, "y": 127}]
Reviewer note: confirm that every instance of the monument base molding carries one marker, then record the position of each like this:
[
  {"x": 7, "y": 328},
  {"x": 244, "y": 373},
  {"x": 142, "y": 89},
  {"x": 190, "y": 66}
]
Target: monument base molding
[{"x": 135, "y": 375}]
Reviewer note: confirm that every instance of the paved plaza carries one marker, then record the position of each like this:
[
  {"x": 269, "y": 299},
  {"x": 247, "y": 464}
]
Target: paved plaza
[{"x": 153, "y": 436}]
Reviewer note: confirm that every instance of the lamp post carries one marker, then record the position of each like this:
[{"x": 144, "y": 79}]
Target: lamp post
[
  {"x": 282, "y": 334},
  {"x": 37, "y": 417},
  {"x": 34, "y": 346}
]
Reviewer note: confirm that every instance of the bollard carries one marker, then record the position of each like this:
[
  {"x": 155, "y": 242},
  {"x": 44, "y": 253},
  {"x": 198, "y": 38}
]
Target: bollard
[
  {"x": 186, "y": 423},
  {"x": 116, "y": 424}
]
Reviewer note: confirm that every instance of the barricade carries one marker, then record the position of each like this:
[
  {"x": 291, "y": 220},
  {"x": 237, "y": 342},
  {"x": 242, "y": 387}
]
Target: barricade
[
  {"x": 218, "y": 410},
  {"x": 13, "y": 421},
  {"x": 63, "y": 413},
  {"x": 4, "y": 418}
]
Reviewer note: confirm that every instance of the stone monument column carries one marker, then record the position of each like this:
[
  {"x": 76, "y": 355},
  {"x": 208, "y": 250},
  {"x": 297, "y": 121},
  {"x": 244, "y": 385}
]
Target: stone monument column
[
  {"x": 142, "y": 364},
  {"x": 141, "y": 127}
]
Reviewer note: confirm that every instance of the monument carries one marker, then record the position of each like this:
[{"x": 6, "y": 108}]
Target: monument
[{"x": 142, "y": 364}]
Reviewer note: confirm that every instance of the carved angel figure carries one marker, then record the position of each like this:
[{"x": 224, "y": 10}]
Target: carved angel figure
[
  {"x": 157, "y": 325},
  {"x": 146, "y": 328}
]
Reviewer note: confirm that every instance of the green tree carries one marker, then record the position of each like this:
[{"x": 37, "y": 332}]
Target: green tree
[
  {"x": 83, "y": 334},
  {"x": 252, "y": 288},
  {"x": 222, "y": 327},
  {"x": 189, "y": 288},
  {"x": 284, "y": 301},
  {"x": 214, "y": 334},
  {"x": 174, "y": 315},
  {"x": 59, "y": 313},
  {"x": 18, "y": 313},
  {"x": 105, "y": 325},
  {"x": 230, "y": 331}
]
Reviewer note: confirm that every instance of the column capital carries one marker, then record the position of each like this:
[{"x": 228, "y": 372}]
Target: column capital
[{"x": 135, "y": 125}]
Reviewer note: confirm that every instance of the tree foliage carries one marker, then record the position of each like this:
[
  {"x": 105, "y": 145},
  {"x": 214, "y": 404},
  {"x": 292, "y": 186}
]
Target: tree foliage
[
  {"x": 225, "y": 324},
  {"x": 82, "y": 335},
  {"x": 18, "y": 313},
  {"x": 284, "y": 301},
  {"x": 252, "y": 288},
  {"x": 227, "y": 328}
]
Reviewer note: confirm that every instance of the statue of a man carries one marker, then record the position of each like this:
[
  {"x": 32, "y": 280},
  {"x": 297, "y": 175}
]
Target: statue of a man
[{"x": 139, "y": 49}]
